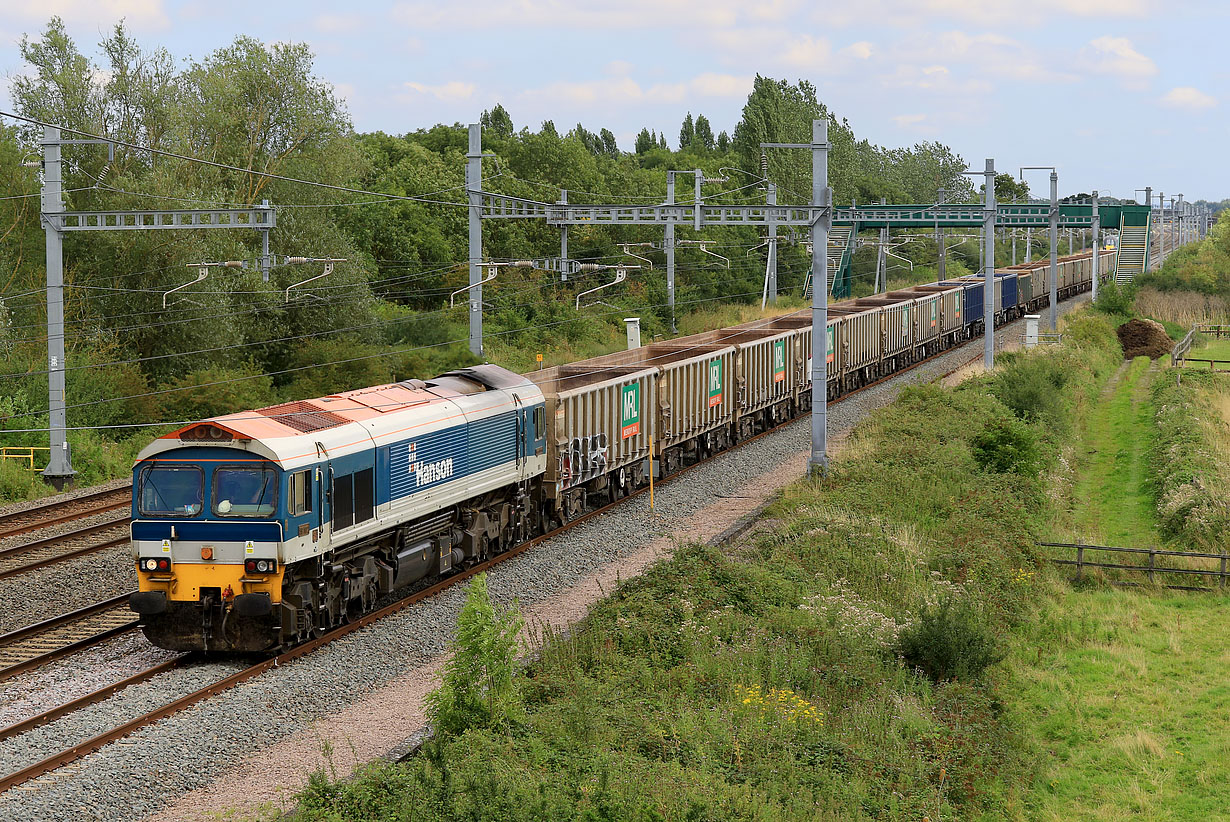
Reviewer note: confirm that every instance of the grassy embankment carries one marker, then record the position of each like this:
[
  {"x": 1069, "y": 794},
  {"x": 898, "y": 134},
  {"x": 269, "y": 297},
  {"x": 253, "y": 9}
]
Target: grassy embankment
[
  {"x": 782, "y": 678},
  {"x": 1123, "y": 688}
]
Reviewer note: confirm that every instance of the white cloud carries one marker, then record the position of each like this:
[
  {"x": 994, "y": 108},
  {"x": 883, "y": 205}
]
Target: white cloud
[
  {"x": 337, "y": 23},
  {"x": 450, "y": 91},
  {"x": 1189, "y": 98},
  {"x": 138, "y": 14},
  {"x": 625, "y": 90},
  {"x": 919, "y": 13},
  {"x": 862, "y": 50},
  {"x": 593, "y": 14},
  {"x": 904, "y": 120},
  {"x": 1117, "y": 57}
]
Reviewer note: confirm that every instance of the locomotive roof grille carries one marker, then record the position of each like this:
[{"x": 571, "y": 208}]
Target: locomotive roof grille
[{"x": 302, "y": 416}]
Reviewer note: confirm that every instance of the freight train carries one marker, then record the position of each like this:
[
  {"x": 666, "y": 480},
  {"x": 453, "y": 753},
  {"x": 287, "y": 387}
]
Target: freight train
[{"x": 259, "y": 530}]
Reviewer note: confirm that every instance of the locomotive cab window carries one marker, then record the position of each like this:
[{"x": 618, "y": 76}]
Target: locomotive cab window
[
  {"x": 300, "y": 493},
  {"x": 245, "y": 492},
  {"x": 171, "y": 491},
  {"x": 540, "y": 422}
]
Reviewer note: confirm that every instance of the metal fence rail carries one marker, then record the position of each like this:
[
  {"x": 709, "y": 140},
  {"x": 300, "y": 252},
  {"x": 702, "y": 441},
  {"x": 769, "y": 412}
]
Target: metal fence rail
[{"x": 1221, "y": 573}]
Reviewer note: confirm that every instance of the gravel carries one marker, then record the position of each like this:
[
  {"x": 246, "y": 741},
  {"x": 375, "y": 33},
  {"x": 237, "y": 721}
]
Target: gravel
[
  {"x": 66, "y": 586},
  {"x": 156, "y": 764},
  {"x": 76, "y": 675}
]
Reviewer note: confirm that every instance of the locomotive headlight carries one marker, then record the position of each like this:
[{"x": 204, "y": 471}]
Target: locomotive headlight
[{"x": 150, "y": 564}]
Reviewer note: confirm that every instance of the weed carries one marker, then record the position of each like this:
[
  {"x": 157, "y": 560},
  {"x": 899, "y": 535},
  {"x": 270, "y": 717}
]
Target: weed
[{"x": 950, "y": 640}]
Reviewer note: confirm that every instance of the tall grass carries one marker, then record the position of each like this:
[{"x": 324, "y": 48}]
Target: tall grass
[{"x": 1183, "y": 307}]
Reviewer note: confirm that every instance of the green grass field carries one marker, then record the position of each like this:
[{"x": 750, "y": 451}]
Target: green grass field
[{"x": 1121, "y": 689}]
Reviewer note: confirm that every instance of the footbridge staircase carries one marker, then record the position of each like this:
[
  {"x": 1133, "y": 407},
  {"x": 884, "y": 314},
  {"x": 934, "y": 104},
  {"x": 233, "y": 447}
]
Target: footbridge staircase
[
  {"x": 840, "y": 262},
  {"x": 1132, "y": 256}
]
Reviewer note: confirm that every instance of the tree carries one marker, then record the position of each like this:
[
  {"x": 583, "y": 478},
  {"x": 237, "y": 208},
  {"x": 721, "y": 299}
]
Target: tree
[
  {"x": 704, "y": 132},
  {"x": 645, "y": 141},
  {"x": 497, "y": 121},
  {"x": 687, "y": 132},
  {"x": 662, "y": 141},
  {"x": 1008, "y": 189},
  {"x": 723, "y": 142},
  {"x": 478, "y": 686},
  {"x": 609, "y": 146}
]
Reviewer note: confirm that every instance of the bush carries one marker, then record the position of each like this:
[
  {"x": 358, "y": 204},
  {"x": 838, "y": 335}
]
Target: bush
[
  {"x": 950, "y": 641},
  {"x": 1116, "y": 299},
  {"x": 478, "y": 688},
  {"x": 1032, "y": 386},
  {"x": 1007, "y": 446}
]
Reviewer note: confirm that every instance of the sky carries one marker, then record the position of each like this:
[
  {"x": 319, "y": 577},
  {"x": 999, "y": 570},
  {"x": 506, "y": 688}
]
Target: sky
[{"x": 1116, "y": 94}]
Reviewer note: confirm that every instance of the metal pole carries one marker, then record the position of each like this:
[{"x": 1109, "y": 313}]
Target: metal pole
[
  {"x": 563, "y": 240},
  {"x": 1028, "y": 239},
  {"x": 882, "y": 263},
  {"x": 669, "y": 242},
  {"x": 59, "y": 465},
  {"x": 939, "y": 239},
  {"x": 1097, "y": 248},
  {"x": 771, "y": 199},
  {"x": 988, "y": 287},
  {"x": 822, "y": 196},
  {"x": 266, "y": 260},
  {"x": 1161, "y": 224},
  {"x": 474, "y": 185},
  {"x": 696, "y": 199},
  {"x": 1054, "y": 270},
  {"x": 1013, "y": 242}
]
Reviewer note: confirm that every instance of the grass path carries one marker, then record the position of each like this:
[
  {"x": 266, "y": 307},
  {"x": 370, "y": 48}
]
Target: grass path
[
  {"x": 1125, "y": 691},
  {"x": 1112, "y": 498}
]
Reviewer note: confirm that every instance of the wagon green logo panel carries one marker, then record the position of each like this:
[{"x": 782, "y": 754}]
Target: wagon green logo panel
[
  {"x": 779, "y": 361},
  {"x": 630, "y": 411},
  {"x": 715, "y": 382},
  {"x": 828, "y": 355}
]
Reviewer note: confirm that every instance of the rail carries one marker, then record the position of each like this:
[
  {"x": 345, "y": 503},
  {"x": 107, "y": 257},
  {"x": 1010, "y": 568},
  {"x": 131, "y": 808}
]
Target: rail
[
  {"x": 1178, "y": 355},
  {"x": 1151, "y": 569}
]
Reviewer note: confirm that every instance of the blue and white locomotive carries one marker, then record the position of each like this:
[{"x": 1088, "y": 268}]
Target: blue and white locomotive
[{"x": 257, "y": 530}]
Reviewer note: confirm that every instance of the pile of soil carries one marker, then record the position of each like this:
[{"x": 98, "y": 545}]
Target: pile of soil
[{"x": 1144, "y": 338}]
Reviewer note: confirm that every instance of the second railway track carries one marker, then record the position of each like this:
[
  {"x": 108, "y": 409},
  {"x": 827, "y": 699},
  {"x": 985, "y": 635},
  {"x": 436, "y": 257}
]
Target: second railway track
[
  {"x": 39, "y": 553},
  {"x": 58, "y": 512}
]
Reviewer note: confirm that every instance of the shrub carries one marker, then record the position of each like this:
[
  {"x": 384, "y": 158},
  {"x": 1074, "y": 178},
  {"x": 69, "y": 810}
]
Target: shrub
[
  {"x": 478, "y": 688},
  {"x": 950, "y": 640},
  {"x": 1032, "y": 386},
  {"x": 1114, "y": 298},
  {"x": 1007, "y": 446}
]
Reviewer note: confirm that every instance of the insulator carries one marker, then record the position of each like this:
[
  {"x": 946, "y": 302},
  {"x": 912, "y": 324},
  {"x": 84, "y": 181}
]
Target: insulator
[
  {"x": 590, "y": 267},
  {"x": 235, "y": 264},
  {"x": 296, "y": 260},
  {"x": 523, "y": 264}
]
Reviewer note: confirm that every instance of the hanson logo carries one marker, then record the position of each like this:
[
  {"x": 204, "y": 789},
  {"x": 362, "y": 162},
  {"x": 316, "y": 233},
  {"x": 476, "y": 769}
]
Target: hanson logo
[{"x": 426, "y": 473}]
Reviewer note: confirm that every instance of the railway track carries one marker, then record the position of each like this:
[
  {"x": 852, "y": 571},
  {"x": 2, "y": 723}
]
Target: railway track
[
  {"x": 82, "y": 749},
  {"x": 21, "y": 559},
  {"x": 34, "y": 645},
  {"x": 59, "y": 512}
]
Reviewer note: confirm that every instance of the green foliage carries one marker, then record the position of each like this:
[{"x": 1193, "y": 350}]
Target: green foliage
[
  {"x": 950, "y": 640},
  {"x": 1116, "y": 300},
  {"x": 478, "y": 685},
  {"x": 1189, "y": 476},
  {"x": 1033, "y": 388},
  {"x": 1007, "y": 446}
]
